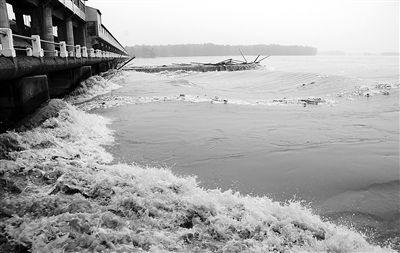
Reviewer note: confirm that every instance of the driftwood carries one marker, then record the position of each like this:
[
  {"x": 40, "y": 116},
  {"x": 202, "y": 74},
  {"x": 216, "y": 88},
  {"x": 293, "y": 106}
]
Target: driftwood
[
  {"x": 243, "y": 56},
  {"x": 225, "y": 65},
  {"x": 125, "y": 63}
]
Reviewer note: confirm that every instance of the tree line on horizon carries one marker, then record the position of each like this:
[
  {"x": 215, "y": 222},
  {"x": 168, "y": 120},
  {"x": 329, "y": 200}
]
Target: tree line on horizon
[{"x": 209, "y": 49}]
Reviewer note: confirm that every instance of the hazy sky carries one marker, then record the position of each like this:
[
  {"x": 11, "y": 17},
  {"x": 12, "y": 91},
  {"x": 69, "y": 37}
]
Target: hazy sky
[{"x": 348, "y": 25}]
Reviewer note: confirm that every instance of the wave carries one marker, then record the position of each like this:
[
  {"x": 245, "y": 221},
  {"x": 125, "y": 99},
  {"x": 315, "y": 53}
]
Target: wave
[
  {"x": 109, "y": 101},
  {"x": 268, "y": 85},
  {"x": 62, "y": 193},
  {"x": 280, "y": 88},
  {"x": 177, "y": 73},
  {"x": 96, "y": 86},
  {"x": 368, "y": 91}
]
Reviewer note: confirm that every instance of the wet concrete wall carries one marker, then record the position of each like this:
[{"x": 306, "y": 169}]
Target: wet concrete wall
[{"x": 20, "y": 96}]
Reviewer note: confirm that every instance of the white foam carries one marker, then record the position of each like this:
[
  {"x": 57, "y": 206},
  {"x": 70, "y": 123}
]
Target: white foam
[
  {"x": 177, "y": 73},
  {"x": 96, "y": 86},
  {"x": 368, "y": 90},
  {"x": 72, "y": 133},
  {"x": 105, "y": 102},
  {"x": 133, "y": 208}
]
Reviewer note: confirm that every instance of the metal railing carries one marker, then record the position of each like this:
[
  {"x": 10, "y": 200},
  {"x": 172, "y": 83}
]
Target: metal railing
[
  {"x": 80, "y": 4},
  {"x": 7, "y": 48},
  {"x": 107, "y": 36},
  {"x": 76, "y": 6}
]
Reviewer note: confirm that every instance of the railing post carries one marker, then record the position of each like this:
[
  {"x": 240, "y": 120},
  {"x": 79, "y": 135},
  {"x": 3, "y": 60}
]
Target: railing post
[
  {"x": 63, "y": 49},
  {"x": 29, "y": 52},
  {"x": 84, "y": 52},
  {"x": 37, "y": 48},
  {"x": 7, "y": 42},
  {"x": 91, "y": 53},
  {"x": 78, "y": 53}
]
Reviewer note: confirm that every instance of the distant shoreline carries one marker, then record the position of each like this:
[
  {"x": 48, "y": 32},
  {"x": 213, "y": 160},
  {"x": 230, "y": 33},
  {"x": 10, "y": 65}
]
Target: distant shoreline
[
  {"x": 254, "y": 55},
  {"x": 188, "y": 50}
]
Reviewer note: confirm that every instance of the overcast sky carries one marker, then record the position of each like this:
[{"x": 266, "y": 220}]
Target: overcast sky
[{"x": 348, "y": 25}]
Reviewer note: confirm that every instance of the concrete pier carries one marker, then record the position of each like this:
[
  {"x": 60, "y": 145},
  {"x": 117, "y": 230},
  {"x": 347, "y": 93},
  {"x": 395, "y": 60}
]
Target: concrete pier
[
  {"x": 47, "y": 30},
  {"x": 69, "y": 29},
  {"x": 22, "y": 96},
  {"x": 36, "y": 21},
  {"x": 49, "y": 64},
  {"x": 63, "y": 82},
  {"x": 81, "y": 34}
]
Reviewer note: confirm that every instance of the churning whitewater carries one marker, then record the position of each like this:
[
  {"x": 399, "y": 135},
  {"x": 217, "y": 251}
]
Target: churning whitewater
[{"x": 62, "y": 192}]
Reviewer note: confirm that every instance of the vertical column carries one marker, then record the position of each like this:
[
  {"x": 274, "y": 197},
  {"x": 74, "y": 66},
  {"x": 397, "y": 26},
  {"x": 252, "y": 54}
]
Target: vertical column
[
  {"x": 82, "y": 35},
  {"x": 69, "y": 34},
  {"x": 48, "y": 30},
  {"x": 4, "y": 22},
  {"x": 36, "y": 23}
]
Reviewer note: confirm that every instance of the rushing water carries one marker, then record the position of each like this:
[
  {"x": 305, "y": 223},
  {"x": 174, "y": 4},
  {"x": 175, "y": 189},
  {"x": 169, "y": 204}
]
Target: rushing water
[
  {"x": 321, "y": 130},
  {"x": 265, "y": 139}
]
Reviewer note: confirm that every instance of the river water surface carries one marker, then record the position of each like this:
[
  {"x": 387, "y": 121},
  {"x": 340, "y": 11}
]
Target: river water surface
[{"x": 323, "y": 130}]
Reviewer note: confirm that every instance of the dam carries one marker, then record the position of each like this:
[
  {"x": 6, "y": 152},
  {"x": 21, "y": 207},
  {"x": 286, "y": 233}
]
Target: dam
[{"x": 47, "y": 48}]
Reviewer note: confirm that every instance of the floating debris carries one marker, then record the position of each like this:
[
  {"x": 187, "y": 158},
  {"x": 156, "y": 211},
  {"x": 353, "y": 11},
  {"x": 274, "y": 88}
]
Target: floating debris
[
  {"x": 312, "y": 101},
  {"x": 218, "y": 100},
  {"x": 225, "y": 65},
  {"x": 383, "y": 86},
  {"x": 304, "y": 101},
  {"x": 305, "y": 84}
]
